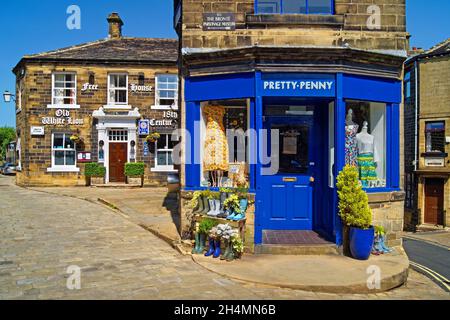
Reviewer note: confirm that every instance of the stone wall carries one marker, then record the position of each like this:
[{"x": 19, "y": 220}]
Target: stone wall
[
  {"x": 348, "y": 25},
  {"x": 36, "y": 150}
]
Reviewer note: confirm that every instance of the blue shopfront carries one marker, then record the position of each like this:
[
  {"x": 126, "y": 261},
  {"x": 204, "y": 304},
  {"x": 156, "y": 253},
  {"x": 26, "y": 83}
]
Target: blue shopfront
[{"x": 299, "y": 130}]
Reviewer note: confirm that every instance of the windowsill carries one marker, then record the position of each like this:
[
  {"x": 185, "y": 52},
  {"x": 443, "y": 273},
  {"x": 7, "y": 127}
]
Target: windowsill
[
  {"x": 63, "y": 169},
  {"x": 163, "y": 108},
  {"x": 117, "y": 106},
  {"x": 295, "y": 19},
  {"x": 63, "y": 106},
  {"x": 163, "y": 170}
]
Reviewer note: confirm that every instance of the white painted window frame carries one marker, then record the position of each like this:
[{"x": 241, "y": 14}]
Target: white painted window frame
[
  {"x": 53, "y": 105},
  {"x": 157, "y": 105},
  {"x": 165, "y": 168},
  {"x": 63, "y": 168},
  {"x": 113, "y": 104}
]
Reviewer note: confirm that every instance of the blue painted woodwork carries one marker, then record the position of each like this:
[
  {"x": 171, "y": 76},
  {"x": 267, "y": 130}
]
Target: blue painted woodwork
[{"x": 281, "y": 10}]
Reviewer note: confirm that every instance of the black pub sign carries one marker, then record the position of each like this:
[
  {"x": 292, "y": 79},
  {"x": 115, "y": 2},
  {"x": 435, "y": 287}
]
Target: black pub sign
[{"x": 219, "y": 22}]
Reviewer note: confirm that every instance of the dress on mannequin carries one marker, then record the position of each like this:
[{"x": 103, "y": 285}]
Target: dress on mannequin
[
  {"x": 367, "y": 156},
  {"x": 215, "y": 159},
  {"x": 351, "y": 148}
]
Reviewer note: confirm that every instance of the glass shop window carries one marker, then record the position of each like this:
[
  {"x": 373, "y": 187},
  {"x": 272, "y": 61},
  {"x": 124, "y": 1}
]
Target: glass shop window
[
  {"x": 295, "y": 6},
  {"x": 435, "y": 137},
  {"x": 365, "y": 141},
  {"x": 118, "y": 89},
  {"x": 224, "y": 144},
  {"x": 63, "y": 150},
  {"x": 64, "y": 89},
  {"x": 407, "y": 83},
  {"x": 167, "y": 90}
]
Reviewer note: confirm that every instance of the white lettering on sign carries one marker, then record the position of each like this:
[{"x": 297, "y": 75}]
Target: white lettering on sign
[
  {"x": 61, "y": 118},
  {"x": 90, "y": 87},
  {"x": 138, "y": 88},
  {"x": 298, "y": 85}
]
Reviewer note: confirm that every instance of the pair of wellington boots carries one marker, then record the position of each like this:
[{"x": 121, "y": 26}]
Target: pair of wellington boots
[
  {"x": 203, "y": 206},
  {"x": 200, "y": 243}
]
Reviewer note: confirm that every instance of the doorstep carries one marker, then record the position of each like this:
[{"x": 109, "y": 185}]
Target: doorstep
[{"x": 318, "y": 273}]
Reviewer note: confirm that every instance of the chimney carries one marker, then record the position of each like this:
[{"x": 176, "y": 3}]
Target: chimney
[{"x": 115, "y": 26}]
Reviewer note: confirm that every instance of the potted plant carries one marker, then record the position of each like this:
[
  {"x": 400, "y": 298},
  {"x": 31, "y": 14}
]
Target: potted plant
[
  {"x": 204, "y": 228},
  {"x": 237, "y": 245},
  {"x": 227, "y": 233},
  {"x": 355, "y": 213},
  {"x": 135, "y": 169},
  {"x": 93, "y": 169},
  {"x": 153, "y": 137},
  {"x": 75, "y": 138}
]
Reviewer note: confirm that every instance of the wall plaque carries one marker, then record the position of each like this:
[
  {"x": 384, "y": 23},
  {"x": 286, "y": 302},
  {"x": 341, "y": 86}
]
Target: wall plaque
[{"x": 219, "y": 22}]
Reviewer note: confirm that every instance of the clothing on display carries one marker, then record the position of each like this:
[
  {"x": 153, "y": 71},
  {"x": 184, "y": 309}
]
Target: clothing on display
[
  {"x": 216, "y": 144},
  {"x": 351, "y": 147}
]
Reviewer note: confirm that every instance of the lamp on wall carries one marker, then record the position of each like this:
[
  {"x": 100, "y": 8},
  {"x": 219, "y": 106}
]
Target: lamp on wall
[{"x": 7, "y": 96}]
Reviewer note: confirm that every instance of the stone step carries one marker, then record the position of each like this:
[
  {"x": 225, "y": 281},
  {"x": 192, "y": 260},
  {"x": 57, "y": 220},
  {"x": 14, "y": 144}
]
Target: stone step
[{"x": 297, "y": 250}]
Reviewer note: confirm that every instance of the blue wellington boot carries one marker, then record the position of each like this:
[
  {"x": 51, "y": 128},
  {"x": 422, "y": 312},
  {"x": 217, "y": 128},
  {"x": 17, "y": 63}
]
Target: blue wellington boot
[
  {"x": 217, "y": 252},
  {"x": 243, "y": 205},
  {"x": 232, "y": 215},
  {"x": 211, "y": 249},
  {"x": 383, "y": 245}
]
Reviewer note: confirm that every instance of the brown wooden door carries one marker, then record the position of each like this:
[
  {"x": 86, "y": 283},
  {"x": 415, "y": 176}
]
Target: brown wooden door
[
  {"x": 434, "y": 201},
  {"x": 117, "y": 160}
]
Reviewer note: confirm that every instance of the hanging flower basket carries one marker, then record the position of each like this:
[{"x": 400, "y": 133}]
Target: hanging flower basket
[
  {"x": 75, "y": 138},
  {"x": 153, "y": 137}
]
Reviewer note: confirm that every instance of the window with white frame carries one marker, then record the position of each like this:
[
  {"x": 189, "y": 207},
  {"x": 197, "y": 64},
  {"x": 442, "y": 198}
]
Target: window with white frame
[
  {"x": 64, "y": 91},
  {"x": 118, "y": 89},
  {"x": 167, "y": 90},
  {"x": 63, "y": 151},
  {"x": 164, "y": 152}
]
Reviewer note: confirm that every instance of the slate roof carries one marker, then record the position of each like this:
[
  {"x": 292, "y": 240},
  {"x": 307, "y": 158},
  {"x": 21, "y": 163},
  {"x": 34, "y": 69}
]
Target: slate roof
[
  {"x": 441, "y": 48},
  {"x": 125, "y": 49}
]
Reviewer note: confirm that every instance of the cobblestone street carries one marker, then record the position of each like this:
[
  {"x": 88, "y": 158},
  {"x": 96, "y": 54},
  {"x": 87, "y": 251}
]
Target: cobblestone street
[{"x": 43, "y": 234}]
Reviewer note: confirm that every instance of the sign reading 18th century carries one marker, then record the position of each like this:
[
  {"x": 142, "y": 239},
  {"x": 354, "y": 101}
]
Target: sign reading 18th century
[{"x": 219, "y": 21}]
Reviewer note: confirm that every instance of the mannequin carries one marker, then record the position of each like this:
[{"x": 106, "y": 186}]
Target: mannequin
[
  {"x": 367, "y": 156},
  {"x": 215, "y": 160},
  {"x": 351, "y": 151}
]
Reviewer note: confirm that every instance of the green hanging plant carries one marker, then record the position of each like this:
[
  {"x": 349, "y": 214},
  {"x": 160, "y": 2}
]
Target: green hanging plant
[
  {"x": 354, "y": 207},
  {"x": 232, "y": 203},
  {"x": 206, "y": 225},
  {"x": 238, "y": 245}
]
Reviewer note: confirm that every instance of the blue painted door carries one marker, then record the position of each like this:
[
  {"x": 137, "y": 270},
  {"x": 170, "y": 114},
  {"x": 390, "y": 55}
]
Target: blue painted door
[{"x": 288, "y": 191}]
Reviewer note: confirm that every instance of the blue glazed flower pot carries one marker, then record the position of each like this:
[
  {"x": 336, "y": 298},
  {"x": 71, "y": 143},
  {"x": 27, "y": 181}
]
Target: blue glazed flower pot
[{"x": 361, "y": 242}]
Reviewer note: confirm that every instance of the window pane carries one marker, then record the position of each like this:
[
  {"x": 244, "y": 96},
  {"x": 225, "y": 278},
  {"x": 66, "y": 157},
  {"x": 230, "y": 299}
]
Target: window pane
[
  {"x": 269, "y": 6},
  {"x": 122, "y": 81},
  {"x": 59, "y": 158},
  {"x": 166, "y": 102},
  {"x": 435, "y": 136},
  {"x": 121, "y": 96},
  {"x": 294, "y": 6},
  {"x": 161, "y": 159},
  {"x": 59, "y": 77},
  {"x": 58, "y": 141},
  {"x": 365, "y": 143},
  {"x": 68, "y": 144},
  {"x": 319, "y": 6},
  {"x": 70, "y": 158},
  {"x": 161, "y": 143}
]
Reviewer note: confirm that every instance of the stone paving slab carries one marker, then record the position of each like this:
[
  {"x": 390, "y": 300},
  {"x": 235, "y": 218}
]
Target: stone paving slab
[
  {"x": 329, "y": 274},
  {"x": 42, "y": 234}
]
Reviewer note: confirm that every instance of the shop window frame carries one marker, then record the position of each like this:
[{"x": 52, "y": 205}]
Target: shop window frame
[
  {"x": 331, "y": 12},
  {"x": 114, "y": 104},
  {"x": 54, "y": 105},
  {"x": 158, "y": 105},
  {"x": 163, "y": 168},
  {"x": 65, "y": 167},
  {"x": 435, "y": 152}
]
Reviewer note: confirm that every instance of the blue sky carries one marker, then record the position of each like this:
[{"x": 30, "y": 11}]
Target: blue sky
[{"x": 32, "y": 26}]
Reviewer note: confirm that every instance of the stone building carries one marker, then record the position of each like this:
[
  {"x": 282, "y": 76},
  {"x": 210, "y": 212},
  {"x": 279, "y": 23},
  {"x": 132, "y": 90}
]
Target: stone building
[
  {"x": 324, "y": 74},
  {"x": 107, "y": 95},
  {"x": 427, "y": 138}
]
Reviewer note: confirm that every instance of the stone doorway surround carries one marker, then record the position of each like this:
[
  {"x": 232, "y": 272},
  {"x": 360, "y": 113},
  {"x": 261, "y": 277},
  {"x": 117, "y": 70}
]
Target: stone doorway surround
[{"x": 122, "y": 120}]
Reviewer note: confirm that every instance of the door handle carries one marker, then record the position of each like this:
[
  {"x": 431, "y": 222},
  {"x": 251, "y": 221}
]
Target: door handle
[{"x": 312, "y": 179}]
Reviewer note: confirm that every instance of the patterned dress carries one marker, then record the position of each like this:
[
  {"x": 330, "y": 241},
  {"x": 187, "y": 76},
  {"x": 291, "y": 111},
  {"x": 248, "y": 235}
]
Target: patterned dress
[
  {"x": 216, "y": 144},
  {"x": 367, "y": 169},
  {"x": 351, "y": 146}
]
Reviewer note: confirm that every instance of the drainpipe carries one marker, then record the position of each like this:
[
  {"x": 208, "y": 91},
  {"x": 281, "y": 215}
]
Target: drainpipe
[{"x": 416, "y": 104}]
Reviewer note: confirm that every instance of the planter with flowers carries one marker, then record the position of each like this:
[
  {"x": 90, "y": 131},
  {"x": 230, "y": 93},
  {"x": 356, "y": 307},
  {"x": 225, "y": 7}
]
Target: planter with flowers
[{"x": 153, "y": 137}]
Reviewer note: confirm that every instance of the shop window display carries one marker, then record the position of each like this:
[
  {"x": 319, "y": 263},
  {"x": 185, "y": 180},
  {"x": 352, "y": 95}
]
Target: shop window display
[
  {"x": 224, "y": 142},
  {"x": 365, "y": 141}
]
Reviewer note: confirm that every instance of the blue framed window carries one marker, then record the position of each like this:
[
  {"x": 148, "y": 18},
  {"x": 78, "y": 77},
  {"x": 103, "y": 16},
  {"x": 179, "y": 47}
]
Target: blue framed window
[{"x": 294, "y": 6}]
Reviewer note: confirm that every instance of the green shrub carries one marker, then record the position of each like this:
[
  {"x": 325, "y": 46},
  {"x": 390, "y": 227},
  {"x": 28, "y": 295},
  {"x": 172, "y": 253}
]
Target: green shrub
[
  {"x": 94, "y": 169},
  {"x": 206, "y": 225},
  {"x": 135, "y": 169},
  {"x": 354, "y": 207}
]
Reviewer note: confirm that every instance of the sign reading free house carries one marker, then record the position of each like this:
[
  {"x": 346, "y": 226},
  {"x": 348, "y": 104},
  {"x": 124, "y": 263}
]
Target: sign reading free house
[{"x": 299, "y": 85}]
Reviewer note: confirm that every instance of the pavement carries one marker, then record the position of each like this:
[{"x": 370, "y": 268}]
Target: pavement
[
  {"x": 151, "y": 208},
  {"x": 441, "y": 238},
  {"x": 45, "y": 237}
]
